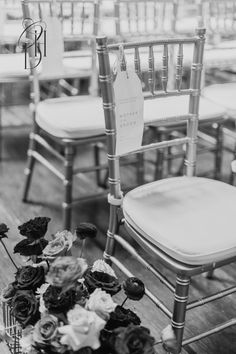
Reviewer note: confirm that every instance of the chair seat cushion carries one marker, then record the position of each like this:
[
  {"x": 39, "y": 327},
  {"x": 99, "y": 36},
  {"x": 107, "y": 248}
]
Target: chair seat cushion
[
  {"x": 189, "y": 218},
  {"x": 224, "y": 95},
  {"x": 71, "y": 117},
  {"x": 82, "y": 116}
]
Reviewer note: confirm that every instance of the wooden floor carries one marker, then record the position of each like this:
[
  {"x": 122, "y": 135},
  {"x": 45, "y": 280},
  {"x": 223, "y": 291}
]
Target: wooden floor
[{"x": 45, "y": 200}]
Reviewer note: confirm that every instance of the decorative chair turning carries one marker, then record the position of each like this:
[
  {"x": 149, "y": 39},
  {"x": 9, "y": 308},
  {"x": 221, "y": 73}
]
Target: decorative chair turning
[{"x": 162, "y": 216}]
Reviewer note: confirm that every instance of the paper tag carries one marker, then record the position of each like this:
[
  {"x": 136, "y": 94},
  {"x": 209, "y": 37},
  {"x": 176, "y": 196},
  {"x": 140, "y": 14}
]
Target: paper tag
[
  {"x": 129, "y": 112},
  {"x": 52, "y": 64}
]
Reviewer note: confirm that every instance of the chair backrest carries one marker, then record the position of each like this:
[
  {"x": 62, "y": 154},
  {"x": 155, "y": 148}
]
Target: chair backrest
[
  {"x": 219, "y": 18},
  {"x": 193, "y": 92},
  {"x": 142, "y": 18},
  {"x": 64, "y": 20}
]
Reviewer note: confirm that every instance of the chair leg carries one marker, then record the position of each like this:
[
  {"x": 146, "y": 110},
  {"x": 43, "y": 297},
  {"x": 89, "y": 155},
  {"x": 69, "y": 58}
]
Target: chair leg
[
  {"x": 159, "y": 168},
  {"x": 30, "y": 164},
  {"x": 97, "y": 149},
  {"x": 140, "y": 169},
  {"x": 112, "y": 230},
  {"x": 219, "y": 151},
  {"x": 68, "y": 183},
  {"x": 179, "y": 311}
]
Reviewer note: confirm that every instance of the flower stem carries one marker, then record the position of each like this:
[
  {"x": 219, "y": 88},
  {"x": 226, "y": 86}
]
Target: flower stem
[
  {"x": 10, "y": 257},
  {"x": 124, "y": 301},
  {"x": 82, "y": 248}
]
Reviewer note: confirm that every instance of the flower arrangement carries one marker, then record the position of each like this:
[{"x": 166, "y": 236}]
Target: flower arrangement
[{"x": 63, "y": 305}]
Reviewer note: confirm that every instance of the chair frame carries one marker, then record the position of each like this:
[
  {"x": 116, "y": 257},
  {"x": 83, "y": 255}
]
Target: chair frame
[{"x": 183, "y": 271}]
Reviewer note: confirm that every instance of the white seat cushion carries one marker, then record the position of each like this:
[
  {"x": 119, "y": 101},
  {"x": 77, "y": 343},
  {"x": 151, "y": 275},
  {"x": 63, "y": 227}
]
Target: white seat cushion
[
  {"x": 82, "y": 116},
  {"x": 190, "y": 219},
  {"x": 71, "y": 117},
  {"x": 224, "y": 95}
]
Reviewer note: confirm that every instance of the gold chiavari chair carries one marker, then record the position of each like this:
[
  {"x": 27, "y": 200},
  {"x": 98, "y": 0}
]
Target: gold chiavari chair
[
  {"x": 185, "y": 223},
  {"x": 67, "y": 121}
]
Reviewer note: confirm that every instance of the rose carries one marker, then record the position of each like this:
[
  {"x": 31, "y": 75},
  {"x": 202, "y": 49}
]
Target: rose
[
  {"x": 101, "y": 266},
  {"x": 133, "y": 340},
  {"x": 24, "y": 306},
  {"x": 59, "y": 245},
  {"x": 28, "y": 248},
  {"x": 34, "y": 228},
  {"x": 85, "y": 230},
  {"x": 134, "y": 288},
  {"x": 3, "y": 230},
  {"x": 122, "y": 317},
  {"x": 83, "y": 329},
  {"x": 101, "y": 280},
  {"x": 101, "y": 303},
  {"x": 65, "y": 271},
  {"x": 45, "y": 330},
  {"x": 57, "y": 301},
  {"x": 29, "y": 277}
]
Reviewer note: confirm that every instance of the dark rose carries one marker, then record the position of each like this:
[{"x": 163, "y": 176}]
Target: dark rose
[
  {"x": 101, "y": 280},
  {"x": 85, "y": 230},
  {"x": 86, "y": 350},
  {"x": 133, "y": 340},
  {"x": 29, "y": 248},
  {"x": 34, "y": 228},
  {"x": 134, "y": 288},
  {"x": 30, "y": 278},
  {"x": 24, "y": 307},
  {"x": 45, "y": 330},
  {"x": 3, "y": 230},
  {"x": 122, "y": 317},
  {"x": 58, "y": 301}
]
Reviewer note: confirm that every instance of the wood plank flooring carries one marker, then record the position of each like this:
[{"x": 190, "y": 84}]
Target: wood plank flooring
[{"x": 45, "y": 200}]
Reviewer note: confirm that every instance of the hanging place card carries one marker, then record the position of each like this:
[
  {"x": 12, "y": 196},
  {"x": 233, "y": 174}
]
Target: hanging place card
[{"x": 128, "y": 111}]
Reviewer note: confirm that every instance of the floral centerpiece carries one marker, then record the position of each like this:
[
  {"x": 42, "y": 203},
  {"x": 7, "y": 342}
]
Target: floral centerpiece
[{"x": 63, "y": 305}]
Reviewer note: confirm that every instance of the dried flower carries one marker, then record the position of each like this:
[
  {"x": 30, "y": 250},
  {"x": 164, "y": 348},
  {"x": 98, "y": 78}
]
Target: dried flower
[
  {"x": 3, "y": 230},
  {"x": 101, "y": 266},
  {"x": 134, "y": 288},
  {"x": 34, "y": 228},
  {"x": 86, "y": 230}
]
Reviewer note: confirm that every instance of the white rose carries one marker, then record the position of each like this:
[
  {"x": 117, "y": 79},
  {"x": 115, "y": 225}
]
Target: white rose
[
  {"x": 101, "y": 266},
  {"x": 101, "y": 303},
  {"x": 83, "y": 330}
]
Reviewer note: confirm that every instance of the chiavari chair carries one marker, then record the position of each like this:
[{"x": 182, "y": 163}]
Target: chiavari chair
[
  {"x": 185, "y": 223},
  {"x": 68, "y": 122}
]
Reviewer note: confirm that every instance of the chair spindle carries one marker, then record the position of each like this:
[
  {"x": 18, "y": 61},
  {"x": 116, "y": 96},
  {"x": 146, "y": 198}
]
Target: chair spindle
[
  {"x": 164, "y": 77},
  {"x": 179, "y": 67},
  {"x": 151, "y": 71}
]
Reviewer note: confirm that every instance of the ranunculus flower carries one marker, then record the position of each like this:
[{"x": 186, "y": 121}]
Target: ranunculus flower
[
  {"x": 59, "y": 245},
  {"x": 134, "y": 288},
  {"x": 28, "y": 248},
  {"x": 3, "y": 230},
  {"x": 45, "y": 330},
  {"x": 86, "y": 230},
  {"x": 65, "y": 271},
  {"x": 101, "y": 303},
  {"x": 57, "y": 301},
  {"x": 34, "y": 228},
  {"x": 133, "y": 340},
  {"x": 101, "y": 280},
  {"x": 83, "y": 329},
  {"x": 29, "y": 278},
  {"x": 24, "y": 306},
  {"x": 101, "y": 266},
  {"x": 122, "y": 317}
]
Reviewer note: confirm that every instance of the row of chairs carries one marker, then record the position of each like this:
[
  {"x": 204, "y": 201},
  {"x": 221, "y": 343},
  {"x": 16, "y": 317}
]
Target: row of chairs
[{"x": 60, "y": 120}]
